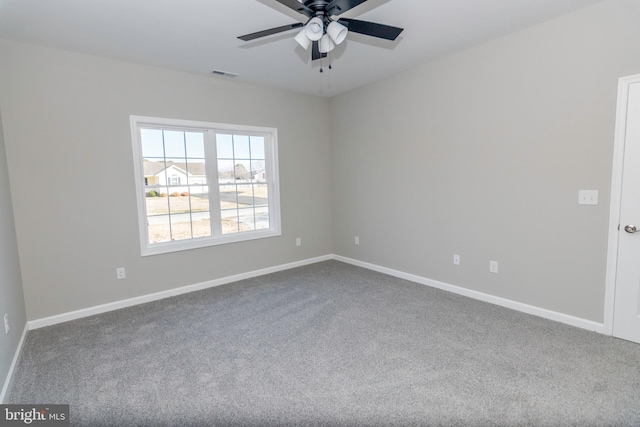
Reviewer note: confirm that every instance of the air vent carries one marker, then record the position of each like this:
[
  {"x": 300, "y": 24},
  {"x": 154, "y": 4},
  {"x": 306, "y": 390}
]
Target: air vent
[{"x": 224, "y": 73}]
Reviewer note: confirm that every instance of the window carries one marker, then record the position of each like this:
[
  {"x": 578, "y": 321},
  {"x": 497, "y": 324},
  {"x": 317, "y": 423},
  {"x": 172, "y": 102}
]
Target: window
[{"x": 201, "y": 184}]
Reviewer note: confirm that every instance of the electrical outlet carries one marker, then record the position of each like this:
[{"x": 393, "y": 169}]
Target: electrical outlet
[
  {"x": 588, "y": 197},
  {"x": 456, "y": 259},
  {"x": 120, "y": 273},
  {"x": 298, "y": 241},
  {"x": 493, "y": 267},
  {"x": 357, "y": 240},
  {"x": 6, "y": 323}
]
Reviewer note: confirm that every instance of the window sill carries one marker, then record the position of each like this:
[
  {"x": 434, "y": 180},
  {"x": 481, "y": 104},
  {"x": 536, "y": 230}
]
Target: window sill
[{"x": 203, "y": 242}]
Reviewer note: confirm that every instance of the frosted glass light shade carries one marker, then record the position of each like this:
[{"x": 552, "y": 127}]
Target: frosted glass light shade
[
  {"x": 314, "y": 29},
  {"x": 326, "y": 44},
  {"x": 302, "y": 39},
  {"x": 337, "y": 32}
]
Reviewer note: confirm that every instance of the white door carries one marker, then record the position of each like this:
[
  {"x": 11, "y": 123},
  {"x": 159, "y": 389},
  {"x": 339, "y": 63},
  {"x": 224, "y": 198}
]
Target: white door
[{"x": 626, "y": 315}]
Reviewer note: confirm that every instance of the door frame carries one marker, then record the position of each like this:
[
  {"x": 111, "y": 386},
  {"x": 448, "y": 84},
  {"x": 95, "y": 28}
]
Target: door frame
[{"x": 616, "y": 199}]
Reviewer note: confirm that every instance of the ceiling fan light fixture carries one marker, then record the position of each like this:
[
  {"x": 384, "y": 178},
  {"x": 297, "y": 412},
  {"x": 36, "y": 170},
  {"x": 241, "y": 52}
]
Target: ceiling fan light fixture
[
  {"x": 337, "y": 32},
  {"x": 326, "y": 44},
  {"x": 302, "y": 39},
  {"x": 314, "y": 29},
  {"x": 321, "y": 31}
]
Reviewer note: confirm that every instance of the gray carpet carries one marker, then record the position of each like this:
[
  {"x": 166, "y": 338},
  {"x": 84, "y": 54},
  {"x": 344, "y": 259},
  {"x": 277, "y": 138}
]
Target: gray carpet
[{"x": 328, "y": 344}]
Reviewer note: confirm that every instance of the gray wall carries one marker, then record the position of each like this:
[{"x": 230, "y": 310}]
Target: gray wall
[
  {"x": 70, "y": 160},
  {"x": 483, "y": 153},
  {"x": 11, "y": 295}
]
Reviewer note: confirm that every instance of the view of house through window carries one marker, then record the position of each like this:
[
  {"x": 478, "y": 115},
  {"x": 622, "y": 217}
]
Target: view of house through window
[
  {"x": 206, "y": 185},
  {"x": 176, "y": 191},
  {"x": 244, "y": 195}
]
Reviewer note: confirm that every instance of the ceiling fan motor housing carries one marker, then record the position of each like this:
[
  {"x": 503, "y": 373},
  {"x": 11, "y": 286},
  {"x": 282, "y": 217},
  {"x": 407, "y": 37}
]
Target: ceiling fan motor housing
[
  {"x": 316, "y": 5},
  {"x": 320, "y": 8}
]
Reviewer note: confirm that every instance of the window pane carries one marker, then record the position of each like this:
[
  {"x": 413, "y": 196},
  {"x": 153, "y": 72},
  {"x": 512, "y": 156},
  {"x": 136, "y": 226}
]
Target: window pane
[
  {"x": 225, "y": 171},
  {"x": 229, "y": 221},
  {"x": 195, "y": 145},
  {"x": 241, "y": 147},
  {"x": 258, "y": 171},
  {"x": 199, "y": 202},
  {"x": 242, "y": 170},
  {"x": 246, "y": 219},
  {"x": 181, "y": 227},
  {"x": 242, "y": 157},
  {"x": 257, "y": 147},
  {"x": 200, "y": 215},
  {"x": 179, "y": 204},
  {"x": 245, "y": 195},
  {"x": 153, "y": 172},
  {"x": 261, "y": 194},
  {"x": 200, "y": 190},
  {"x": 159, "y": 229},
  {"x": 201, "y": 224},
  {"x": 151, "y": 142},
  {"x": 228, "y": 197},
  {"x": 152, "y": 183},
  {"x": 175, "y": 163},
  {"x": 167, "y": 174},
  {"x": 262, "y": 218},
  {"x": 159, "y": 204},
  {"x": 224, "y": 146},
  {"x": 196, "y": 172},
  {"x": 174, "y": 144}
]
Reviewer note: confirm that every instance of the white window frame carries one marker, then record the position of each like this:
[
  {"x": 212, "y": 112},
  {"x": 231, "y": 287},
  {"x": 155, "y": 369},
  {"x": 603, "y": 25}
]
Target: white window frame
[{"x": 210, "y": 130}]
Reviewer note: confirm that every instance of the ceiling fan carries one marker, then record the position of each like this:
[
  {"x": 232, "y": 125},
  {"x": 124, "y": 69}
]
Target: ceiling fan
[{"x": 323, "y": 32}]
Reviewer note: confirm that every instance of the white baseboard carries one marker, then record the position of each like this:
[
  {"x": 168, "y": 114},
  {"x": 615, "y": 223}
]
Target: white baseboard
[
  {"x": 14, "y": 362},
  {"x": 503, "y": 302},
  {"x": 86, "y": 312}
]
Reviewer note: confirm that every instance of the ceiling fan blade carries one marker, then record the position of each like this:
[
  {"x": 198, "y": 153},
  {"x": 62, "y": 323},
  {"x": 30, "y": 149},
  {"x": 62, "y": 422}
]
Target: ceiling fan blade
[
  {"x": 336, "y": 7},
  {"x": 371, "y": 28},
  {"x": 297, "y": 6},
  {"x": 315, "y": 51},
  {"x": 264, "y": 33}
]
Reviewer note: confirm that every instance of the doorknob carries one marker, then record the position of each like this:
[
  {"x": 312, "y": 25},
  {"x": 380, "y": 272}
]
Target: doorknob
[{"x": 630, "y": 229}]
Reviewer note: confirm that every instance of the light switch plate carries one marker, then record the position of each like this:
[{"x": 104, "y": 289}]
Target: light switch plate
[
  {"x": 588, "y": 197},
  {"x": 493, "y": 267}
]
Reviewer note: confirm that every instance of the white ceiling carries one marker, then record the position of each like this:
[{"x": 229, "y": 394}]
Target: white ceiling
[{"x": 199, "y": 36}]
